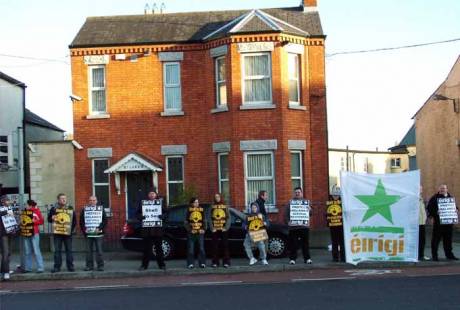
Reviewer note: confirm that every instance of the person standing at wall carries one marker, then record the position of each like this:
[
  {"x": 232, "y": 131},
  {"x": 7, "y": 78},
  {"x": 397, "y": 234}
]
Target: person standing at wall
[
  {"x": 63, "y": 220},
  {"x": 335, "y": 223},
  {"x": 8, "y": 228},
  {"x": 256, "y": 234},
  {"x": 219, "y": 225},
  {"x": 93, "y": 221},
  {"x": 31, "y": 219},
  {"x": 196, "y": 225},
  {"x": 152, "y": 213},
  {"x": 442, "y": 223},
  {"x": 298, "y": 220}
]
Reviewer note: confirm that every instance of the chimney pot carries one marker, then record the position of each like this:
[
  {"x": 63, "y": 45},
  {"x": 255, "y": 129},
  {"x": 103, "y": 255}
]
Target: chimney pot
[{"x": 309, "y": 5}]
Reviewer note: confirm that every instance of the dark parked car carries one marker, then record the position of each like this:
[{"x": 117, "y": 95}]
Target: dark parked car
[{"x": 175, "y": 237}]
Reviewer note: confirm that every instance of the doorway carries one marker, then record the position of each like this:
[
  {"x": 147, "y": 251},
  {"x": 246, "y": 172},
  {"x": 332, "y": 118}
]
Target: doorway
[{"x": 138, "y": 184}]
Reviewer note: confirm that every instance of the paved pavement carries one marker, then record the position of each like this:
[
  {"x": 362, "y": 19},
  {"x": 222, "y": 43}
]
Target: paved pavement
[{"x": 125, "y": 264}]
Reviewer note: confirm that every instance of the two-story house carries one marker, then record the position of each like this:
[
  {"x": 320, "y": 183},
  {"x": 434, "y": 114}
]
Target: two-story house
[{"x": 221, "y": 101}]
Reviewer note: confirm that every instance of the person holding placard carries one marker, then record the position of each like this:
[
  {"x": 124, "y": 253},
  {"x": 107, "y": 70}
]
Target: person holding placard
[
  {"x": 92, "y": 224},
  {"x": 31, "y": 219},
  {"x": 8, "y": 227},
  {"x": 298, "y": 220},
  {"x": 443, "y": 210},
  {"x": 151, "y": 213},
  {"x": 196, "y": 225},
  {"x": 256, "y": 234},
  {"x": 335, "y": 223},
  {"x": 219, "y": 225},
  {"x": 63, "y": 222}
]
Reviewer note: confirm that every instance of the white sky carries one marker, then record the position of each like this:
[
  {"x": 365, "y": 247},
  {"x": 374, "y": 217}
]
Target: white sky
[{"x": 371, "y": 96}]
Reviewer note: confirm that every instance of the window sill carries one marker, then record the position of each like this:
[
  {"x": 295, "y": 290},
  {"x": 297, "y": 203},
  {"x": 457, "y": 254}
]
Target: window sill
[
  {"x": 172, "y": 113},
  {"x": 297, "y": 107},
  {"x": 272, "y": 209},
  {"x": 219, "y": 110},
  {"x": 257, "y": 106},
  {"x": 98, "y": 116}
]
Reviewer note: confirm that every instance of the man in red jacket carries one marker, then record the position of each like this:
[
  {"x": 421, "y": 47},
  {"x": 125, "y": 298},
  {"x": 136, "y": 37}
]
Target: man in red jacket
[{"x": 31, "y": 219}]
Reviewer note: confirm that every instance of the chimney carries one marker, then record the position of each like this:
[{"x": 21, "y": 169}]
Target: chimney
[{"x": 309, "y": 5}]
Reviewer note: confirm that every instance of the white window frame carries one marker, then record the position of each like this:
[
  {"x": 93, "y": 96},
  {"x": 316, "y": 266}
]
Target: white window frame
[
  {"x": 394, "y": 162},
  {"x": 220, "y": 179},
  {"x": 172, "y": 63},
  {"x": 219, "y": 104},
  {"x": 290, "y": 78},
  {"x": 93, "y": 178},
  {"x": 167, "y": 175},
  {"x": 91, "y": 89},
  {"x": 256, "y": 77},
  {"x": 246, "y": 178},
  {"x": 301, "y": 169}
]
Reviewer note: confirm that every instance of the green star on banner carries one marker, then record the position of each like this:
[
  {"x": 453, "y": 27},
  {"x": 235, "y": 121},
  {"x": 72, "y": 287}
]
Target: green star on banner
[{"x": 379, "y": 203}]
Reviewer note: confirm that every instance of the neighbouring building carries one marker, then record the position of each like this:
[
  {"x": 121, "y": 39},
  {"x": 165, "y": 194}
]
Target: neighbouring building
[
  {"x": 362, "y": 161},
  {"x": 201, "y": 102},
  {"x": 407, "y": 146},
  {"x": 437, "y": 128}
]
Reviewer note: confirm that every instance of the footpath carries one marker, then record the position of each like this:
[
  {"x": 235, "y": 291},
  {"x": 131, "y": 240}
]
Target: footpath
[{"x": 125, "y": 264}]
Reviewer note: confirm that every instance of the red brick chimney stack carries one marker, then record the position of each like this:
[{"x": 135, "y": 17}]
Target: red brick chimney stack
[{"x": 309, "y": 5}]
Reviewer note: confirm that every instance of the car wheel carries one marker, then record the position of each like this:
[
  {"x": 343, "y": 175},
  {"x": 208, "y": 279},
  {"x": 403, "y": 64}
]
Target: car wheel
[
  {"x": 168, "y": 248},
  {"x": 277, "y": 246}
]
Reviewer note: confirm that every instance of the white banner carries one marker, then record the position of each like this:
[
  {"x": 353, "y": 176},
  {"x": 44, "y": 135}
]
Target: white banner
[
  {"x": 93, "y": 218},
  {"x": 151, "y": 210},
  {"x": 380, "y": 216},
  {"x": 299, "y": 213},
  {"x": 447, "y": 210}
]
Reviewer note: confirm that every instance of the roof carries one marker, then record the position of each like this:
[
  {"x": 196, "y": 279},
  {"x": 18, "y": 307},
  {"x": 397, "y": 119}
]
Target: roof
[
  {"x": 11, "y": 80},
  {"x": 194, "y": 27},
  {"x": 34, "y": 119},
  {"x": 135, "y": 162}
]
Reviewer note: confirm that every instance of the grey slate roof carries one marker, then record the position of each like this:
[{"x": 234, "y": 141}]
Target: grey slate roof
[
  {"x": 188, "y": 27},
  {"x": 11, "y": 80},
  {"x": 34, "y": 119}
]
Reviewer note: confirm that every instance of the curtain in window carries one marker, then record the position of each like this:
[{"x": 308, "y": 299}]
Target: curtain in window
[
  {"x": 98, "y": 92},
  {"x": 293, "y": 67},
  {"x": 257, "y": 78},
  {"x": 220, "y": 82},
  {"x": 259, "y": 176},
  {"x": 172, "y": 87},
  {"x": 259, "y": 165}
]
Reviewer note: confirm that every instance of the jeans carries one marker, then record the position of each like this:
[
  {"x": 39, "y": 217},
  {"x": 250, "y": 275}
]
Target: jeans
[
  {"x": 296, "y": 235},
  {"x": 91, "y": 243},
  {"x": 248, "y": 244},
  {"x": 149, "y": 242},
  {"x": 192, "y": 240},
  {"x": 58, "y": 241},
  {"x": 222, "y": 238},
  {"x": 32, "y": 246},
  {"x": 337, "y": 242},
  {"x": 421, "y": 242},
  {"x": 443, "y": 232},
  {"x": 5, "y": 242}
]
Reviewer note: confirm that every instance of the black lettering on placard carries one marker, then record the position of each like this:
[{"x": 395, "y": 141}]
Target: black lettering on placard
[
  {"x": 62, "y": 224},
  {"x": 218, "y": 215},
  {"x": 196, "y": 218},
  {"x": 27, "y": 224},
  {"x": 334, "y": 213},
  {"x": 152, "y": 211}
]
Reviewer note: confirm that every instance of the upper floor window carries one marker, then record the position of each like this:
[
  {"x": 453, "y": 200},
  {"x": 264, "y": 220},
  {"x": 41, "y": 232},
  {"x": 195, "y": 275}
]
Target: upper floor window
[
  {"x": 396, "y": 163},
  {"x": 294, "y": 79},
  {"x": 98, "y": 104},
  {"x": 257, "y": 80},
  {"x": 221, "y": 85},
  {"x": 4, "y": 150},
  {"x": 172, "y": 87}
]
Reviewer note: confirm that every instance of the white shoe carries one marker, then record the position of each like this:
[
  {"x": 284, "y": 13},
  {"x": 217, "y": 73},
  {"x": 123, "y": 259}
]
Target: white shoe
[
  {"x": 252, "y": 261},
  {"x": 308, "y": 261},
  {"x": 264, "y": 262},
  {"x": 426, "y": 258},
  {"x": 190, "y": 266},
  {"x": 6, "y": 276},
  {"x": 292, "y": 262}
]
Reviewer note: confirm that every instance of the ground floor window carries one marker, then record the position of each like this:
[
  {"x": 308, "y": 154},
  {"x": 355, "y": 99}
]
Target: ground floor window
[
  {"x": 224, "y": 186},
  {"x": 296, "y": 169},
  {"x": 259, "y": 175},
  {"x": 101, "y": 182},
  {"x": 174, "y": 178}
]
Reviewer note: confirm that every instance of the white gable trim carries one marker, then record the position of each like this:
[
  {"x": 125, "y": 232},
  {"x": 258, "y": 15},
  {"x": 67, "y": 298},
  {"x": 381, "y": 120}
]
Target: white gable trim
[
  {"x": 283, "y": 22},
  {"x": 236, "y": 20},
  {"x": 133, "y": 162}
]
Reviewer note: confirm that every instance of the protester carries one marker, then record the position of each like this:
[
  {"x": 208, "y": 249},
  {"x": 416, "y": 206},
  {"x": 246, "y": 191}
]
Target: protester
[
  {"x": 262, "y": 198},
  {"x": 219, "y": 224},
  {"x": 299, "y": 227},
  {"x": 255, "y": 221},
  {"x": 440, "y": 230},
  {"x": 335, "y": 223},
  {"x": 63, "y": 220},
  {"x": 421, "y": 228},
  {"x": 196, "y": 225},
  {"x": 93, "y": 221},
  {"x": 31, "y": 219},
  {"x": 152, "y": 212},
  {"x": 8, "y": 227}
]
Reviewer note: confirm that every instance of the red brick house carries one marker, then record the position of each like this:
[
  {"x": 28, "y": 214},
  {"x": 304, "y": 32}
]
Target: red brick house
[{"x": 224, "y": 101}]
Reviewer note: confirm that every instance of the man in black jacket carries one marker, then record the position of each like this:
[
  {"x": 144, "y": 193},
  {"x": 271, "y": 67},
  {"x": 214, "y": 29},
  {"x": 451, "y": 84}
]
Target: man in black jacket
[
  {"x": 440, "y": 230},
  {"x": 261, "y": 200}
]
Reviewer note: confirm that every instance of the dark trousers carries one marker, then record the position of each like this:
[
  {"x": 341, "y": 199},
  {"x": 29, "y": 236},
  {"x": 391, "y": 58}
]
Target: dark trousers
[
  {"x": 443, "y": 232},
  {"x": 67, "y": 241},
  {"x": 192, "y": 240},
  {"x": 338, "y": 246},
  {"x": 5, "y": 247},
  {"x": 94, "y": 246},
  {"x": 296, "y": 236},
  {"x": 149, "y": 242},
  {"x": 220, "y": 237},
  {"x": 421, "y": 242}
]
